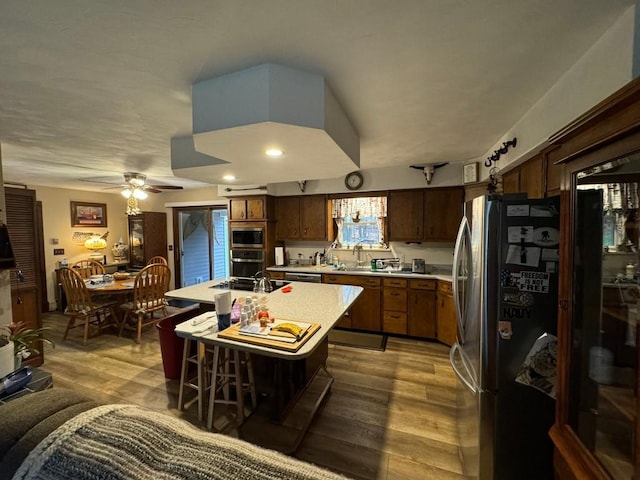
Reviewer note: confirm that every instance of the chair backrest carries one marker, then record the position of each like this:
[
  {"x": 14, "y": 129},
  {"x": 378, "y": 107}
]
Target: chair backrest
[
  {"x": 76, "y": 291},
  {"x": 159, "y": 259},
  {"x": 149, "y": 287},
  {"x": 86, "y": 268}
]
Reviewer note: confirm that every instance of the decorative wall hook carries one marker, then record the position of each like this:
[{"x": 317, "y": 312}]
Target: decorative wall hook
[{"x": 501, "y": 151}]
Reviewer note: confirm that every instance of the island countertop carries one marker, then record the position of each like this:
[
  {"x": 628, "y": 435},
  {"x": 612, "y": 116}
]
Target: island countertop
[{"x": 318, "y": 303}]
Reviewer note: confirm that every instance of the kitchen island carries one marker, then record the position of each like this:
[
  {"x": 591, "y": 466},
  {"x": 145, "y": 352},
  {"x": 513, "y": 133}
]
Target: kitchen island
[{"x": 282, "y": 376}]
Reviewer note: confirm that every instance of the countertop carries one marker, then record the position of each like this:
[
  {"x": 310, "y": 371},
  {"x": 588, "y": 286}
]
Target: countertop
[
  {"x": 440, "y": 273},
  {"x": 307, "y": 302}
]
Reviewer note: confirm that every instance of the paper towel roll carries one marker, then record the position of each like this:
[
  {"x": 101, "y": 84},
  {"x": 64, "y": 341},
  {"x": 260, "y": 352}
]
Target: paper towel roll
[{"x": 223, "y": 302}]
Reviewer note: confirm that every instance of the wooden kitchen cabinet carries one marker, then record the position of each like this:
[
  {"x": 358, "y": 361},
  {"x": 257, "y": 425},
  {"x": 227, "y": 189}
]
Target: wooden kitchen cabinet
[
  {"x": 443, "y": 208},
  {"x": 394, "y": 304},
  {"x": 528, "y": 178},
  {"x": 301, "y": 217},
  {"x": 257, "y": 207},
  {"x": 511, "y": 181},
  {"x": 405, "y": 215},
  {"x": 421, "y": 308},
  {"x": 365, "y": 313},
  {"x": 147, "y": 238},
  {"x": 596, "y": 431},
  {"x": 427, "y": 215},
  {"x": 446, "y": 328}
]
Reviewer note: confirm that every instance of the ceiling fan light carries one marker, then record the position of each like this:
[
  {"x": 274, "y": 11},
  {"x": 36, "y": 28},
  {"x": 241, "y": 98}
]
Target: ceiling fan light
[
  {"x": 126, "y": 193},
  {"x": 229, "y": 178},
  {"x": 139, "y": 194}
]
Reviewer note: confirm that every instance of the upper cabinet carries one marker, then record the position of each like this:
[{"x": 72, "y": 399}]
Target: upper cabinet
[
  {"x": 405, "y": 215},
  {"x": 302, "y": 217},
  {"x": 427, "y": 215},
  {"x": 258, "y": 207},
  {"x": 528, "y": 177},
  {"x": 443, "y": 208},
  {"x": 596, "y": 429}
]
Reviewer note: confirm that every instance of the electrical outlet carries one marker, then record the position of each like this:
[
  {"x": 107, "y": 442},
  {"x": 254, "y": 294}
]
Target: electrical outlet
[{"x": 58, "y": 251}]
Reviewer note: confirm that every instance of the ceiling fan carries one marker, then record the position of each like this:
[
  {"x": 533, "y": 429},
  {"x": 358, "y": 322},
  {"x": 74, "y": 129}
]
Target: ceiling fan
[{"x": 134, "y": 180}]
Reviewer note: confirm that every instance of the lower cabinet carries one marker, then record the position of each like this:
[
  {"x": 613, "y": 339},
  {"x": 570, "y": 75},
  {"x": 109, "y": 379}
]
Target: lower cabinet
[
  {"x": 365, "y": 312},
  {"x": 446, "y": 328},
  {"x": 394, "y": 304},
  {"x": 421, "y": 308}
]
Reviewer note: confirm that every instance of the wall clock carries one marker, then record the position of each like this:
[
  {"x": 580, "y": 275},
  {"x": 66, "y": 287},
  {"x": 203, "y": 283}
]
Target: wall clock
[
  {"x": 470, "y": 173},
  {"x": 353, "y": 180}
]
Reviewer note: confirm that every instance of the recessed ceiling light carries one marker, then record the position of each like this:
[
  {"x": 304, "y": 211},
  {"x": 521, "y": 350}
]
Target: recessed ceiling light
[
  {"x": 229, "y": 178},
  {"x": 274, "y": 152}
]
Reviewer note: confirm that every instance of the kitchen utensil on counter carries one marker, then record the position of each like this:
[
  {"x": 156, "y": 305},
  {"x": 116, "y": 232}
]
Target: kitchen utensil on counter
[{"x": 417, "y": 265}]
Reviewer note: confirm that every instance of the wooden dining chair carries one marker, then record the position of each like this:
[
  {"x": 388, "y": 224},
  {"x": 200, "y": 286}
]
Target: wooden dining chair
[
  {"x": 149, "y": 304},
  {"x": 86, "y": 268},
  {"x": 157, "y": 259},
  {"x": 81, "y": 305}
]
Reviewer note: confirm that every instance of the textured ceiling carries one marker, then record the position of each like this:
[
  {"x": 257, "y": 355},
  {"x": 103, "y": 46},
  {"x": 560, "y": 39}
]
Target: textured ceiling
[{"x": 92, "y": 89}]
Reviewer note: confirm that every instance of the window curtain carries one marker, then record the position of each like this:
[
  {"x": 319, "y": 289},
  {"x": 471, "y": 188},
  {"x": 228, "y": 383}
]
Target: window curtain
[{"x": 360, "y": 206}]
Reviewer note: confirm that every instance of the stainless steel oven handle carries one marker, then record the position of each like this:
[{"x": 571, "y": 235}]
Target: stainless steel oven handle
[{"x": 246, "y": 260}]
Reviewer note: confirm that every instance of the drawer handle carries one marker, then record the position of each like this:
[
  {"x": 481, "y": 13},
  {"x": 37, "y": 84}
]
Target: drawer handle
[{"x": 394, "y": 294}]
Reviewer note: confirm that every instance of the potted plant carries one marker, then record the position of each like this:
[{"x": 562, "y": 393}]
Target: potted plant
[{"x": 18, "y": 342}]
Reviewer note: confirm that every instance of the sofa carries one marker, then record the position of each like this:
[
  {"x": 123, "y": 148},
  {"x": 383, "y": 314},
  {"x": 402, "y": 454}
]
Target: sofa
[{"x": 61, "y": 434}]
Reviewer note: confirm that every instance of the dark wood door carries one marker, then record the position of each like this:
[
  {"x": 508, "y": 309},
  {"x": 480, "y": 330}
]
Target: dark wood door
[
  {"x": 446, "y": 317},
  {"x": 532, "y": 177},
  {"x": 366, "y": 311},
  {"x": 405, "y": 215},
  {"x": 511, "y": 181},
  {"x": 442, "y": 214},
  {"x": 288, "y": 218},
  {"x": 421, "y": 313},
  {"x": 313, "y": 217}
]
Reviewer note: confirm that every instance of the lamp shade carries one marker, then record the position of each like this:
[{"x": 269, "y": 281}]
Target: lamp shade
[{"x": 95, "y": 243}]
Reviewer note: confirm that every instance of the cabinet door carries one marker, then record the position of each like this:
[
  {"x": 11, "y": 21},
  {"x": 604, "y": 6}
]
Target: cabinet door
[
  {"x": 511, "y": 181},
  {"x": 446, "y": 326},
  {"x": 405, "y": 215},
  {"x": 313, "y": 217},
  {"x": 365, "y": 313},
  {"x": 238, "y": 209},
  {"x": 532, "y": 177},
  {"x": 442, "y": 214},
  {"x": 421, "y": 313},
  {"x": 255, "y": 209},
  {"x": 395, "y": 299},
  {"x": 288, "y": 218},
  {"x": 24, "y": 309},
  {"x": 554, "y": 176}
]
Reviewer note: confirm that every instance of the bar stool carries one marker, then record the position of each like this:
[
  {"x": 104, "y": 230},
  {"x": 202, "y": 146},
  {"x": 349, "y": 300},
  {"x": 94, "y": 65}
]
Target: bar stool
[
  {"x": 228, "y": 371},
  {"x": 202, "y": 358}
]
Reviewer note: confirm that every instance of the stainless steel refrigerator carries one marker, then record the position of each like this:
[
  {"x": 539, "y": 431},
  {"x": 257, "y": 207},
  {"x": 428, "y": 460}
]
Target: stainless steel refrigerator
[{"x": 505, "y": 284}]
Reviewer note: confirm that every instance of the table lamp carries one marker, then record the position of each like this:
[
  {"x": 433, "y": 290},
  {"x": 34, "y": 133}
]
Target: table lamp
[{"x": 95, "y": 244}]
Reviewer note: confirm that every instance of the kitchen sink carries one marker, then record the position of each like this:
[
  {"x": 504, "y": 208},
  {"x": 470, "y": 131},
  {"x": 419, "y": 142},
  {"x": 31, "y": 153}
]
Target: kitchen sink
[{"x": 362, "y": 268}]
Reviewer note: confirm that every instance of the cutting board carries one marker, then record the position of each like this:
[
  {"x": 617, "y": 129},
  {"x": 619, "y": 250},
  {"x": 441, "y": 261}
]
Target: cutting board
[{"x": 232, "y": 333}]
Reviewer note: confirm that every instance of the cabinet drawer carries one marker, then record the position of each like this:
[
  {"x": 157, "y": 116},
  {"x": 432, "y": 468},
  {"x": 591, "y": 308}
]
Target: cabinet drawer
[
  {"x": 444, "y": 287},
  {"x": 394, "y": 299},
  {"x": 423, "y": 284},
  {"x": 276, "y": 275},
  {"x": 395, "y": 282},
  {"x": 395, "y": 322},
  {"x": 371, "y": 282}
]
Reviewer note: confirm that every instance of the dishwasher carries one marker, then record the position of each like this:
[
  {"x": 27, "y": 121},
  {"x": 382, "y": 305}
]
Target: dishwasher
[{"x": 303, "y": 277}]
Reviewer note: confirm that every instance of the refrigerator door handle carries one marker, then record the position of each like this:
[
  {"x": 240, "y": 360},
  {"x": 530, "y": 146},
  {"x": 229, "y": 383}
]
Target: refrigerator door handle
[
  {"x": 467, "y": 382},
  {"x": 463, "y": 234}
]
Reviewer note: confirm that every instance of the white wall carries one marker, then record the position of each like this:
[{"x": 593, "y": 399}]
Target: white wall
[
  {"x": 56, "y": 219},
  {"x": 603, "y": 69}
]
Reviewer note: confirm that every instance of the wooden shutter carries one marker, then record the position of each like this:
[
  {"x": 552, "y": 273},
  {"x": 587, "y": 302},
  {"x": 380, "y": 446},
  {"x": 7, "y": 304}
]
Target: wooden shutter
[{"x": 21, "y": 212}]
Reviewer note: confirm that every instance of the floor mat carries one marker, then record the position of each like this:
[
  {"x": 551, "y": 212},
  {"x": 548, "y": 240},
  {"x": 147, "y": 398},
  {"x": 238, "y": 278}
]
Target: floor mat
[{"x": 372, "y": 341}]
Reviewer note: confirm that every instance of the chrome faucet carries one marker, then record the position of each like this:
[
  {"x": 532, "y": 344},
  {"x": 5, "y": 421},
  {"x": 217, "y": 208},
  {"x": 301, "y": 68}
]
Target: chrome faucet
[{"x": 357, "y": 250}]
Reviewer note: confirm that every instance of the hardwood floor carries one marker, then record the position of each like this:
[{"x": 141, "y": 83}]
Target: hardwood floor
[{"x": 389, "y": 415}]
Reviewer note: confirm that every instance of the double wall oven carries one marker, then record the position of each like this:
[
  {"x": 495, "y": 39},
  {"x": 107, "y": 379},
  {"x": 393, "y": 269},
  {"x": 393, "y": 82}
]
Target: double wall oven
[{"x": 246, "y": 263}]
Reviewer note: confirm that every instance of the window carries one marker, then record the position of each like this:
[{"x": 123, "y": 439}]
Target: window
[{"x": 360, "y": 221}]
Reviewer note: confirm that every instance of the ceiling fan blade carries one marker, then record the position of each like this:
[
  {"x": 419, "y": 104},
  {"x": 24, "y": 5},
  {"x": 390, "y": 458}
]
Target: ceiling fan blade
[{"x": 166, "y": 187}]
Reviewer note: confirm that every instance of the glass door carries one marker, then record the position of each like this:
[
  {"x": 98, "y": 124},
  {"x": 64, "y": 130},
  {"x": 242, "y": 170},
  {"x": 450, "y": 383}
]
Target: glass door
[
  {"x": 603, "y": 379},
  {"x": 203, "y": 244}
]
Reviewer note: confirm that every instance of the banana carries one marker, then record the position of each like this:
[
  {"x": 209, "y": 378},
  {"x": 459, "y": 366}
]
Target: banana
[{"x": 291, "y": 328}]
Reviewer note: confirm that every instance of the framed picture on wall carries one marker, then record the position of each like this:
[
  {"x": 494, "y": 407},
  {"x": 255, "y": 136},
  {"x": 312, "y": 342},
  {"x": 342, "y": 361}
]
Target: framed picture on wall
[
  {"x": 85, "y": 214},
  {"x": 470, "y": 173}
]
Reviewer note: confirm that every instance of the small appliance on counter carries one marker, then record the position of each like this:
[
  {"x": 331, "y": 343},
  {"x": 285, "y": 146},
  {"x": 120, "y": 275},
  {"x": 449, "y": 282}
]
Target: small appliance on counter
[
  {"x": 418, "y": 265},
  {"x": 279, "y": 254}
]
